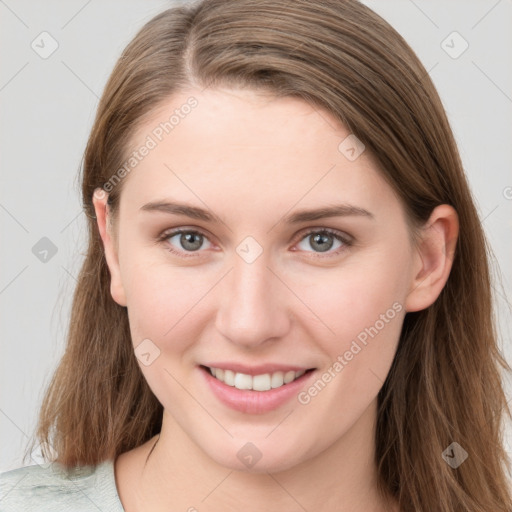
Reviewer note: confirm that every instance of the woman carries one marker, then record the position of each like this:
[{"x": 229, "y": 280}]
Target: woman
[{"x": 285, "y": 304}]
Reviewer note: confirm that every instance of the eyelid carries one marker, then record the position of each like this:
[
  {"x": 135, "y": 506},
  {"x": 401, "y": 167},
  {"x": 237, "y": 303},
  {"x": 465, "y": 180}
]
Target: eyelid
[
  {"x": 341, "y": 235},
  {"x": 167, "y": 233}
]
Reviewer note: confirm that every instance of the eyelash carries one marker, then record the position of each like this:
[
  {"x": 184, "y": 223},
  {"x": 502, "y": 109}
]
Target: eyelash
[{"x": 345, "y": 240}]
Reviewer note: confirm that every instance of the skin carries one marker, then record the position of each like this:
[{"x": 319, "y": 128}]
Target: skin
[{"x": 294, "y": 304}]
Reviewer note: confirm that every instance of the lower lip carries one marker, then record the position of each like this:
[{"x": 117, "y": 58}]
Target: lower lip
[{"x": 254, "y": 402}]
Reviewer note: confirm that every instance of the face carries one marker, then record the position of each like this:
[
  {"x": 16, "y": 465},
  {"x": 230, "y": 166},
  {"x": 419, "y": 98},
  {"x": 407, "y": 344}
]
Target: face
[{"x": 291, "y": 257}]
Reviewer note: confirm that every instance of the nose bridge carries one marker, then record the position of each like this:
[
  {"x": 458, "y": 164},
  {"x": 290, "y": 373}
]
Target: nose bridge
[
  {"x": 252, "y": 308},
  {"x": 251, "y": 281}
]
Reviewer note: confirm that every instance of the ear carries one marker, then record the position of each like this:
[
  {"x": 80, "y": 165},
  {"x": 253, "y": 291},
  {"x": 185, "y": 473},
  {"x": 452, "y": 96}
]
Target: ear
[
  {"x": 107, "y": 236},
  {"x": 433, "y": 258}
]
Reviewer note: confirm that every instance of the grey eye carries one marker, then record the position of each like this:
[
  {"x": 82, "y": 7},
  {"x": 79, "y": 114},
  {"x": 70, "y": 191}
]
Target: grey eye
[
  {"x": 189, "y": 240},
  {"x": 320, "y": 241}
]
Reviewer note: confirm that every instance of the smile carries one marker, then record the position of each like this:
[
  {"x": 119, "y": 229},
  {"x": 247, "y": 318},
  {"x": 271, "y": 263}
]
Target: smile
[
  {"x": 255, "y": 392},
  {"x": 262, "y": 382}
]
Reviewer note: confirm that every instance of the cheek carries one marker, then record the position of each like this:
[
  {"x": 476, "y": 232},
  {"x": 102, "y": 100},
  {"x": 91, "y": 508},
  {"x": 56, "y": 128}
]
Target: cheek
[
  {"x": 164, "y": 306},
  {"x": 353, "y": 297},
  {"x": 161, "y": 302},
  {"x": 363, "y": 309}
]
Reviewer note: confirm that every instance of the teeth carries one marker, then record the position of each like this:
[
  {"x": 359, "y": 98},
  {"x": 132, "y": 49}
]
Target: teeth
[
  {"x": 289, "y": 376},
  {"x": 229, "y": 377},
  {"x": 262, "y": 382},
  {"x": 243, "y": 381},
  {"x": 277, "y": 380}
]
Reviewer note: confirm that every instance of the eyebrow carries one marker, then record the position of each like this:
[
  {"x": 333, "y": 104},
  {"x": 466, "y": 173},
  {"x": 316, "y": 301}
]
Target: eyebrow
[{"x": 341, "y": 210}]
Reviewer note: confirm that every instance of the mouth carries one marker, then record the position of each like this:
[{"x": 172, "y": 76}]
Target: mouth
[
  {"x": 255, "y": 392},
  {"x": 259, "y": 382}
]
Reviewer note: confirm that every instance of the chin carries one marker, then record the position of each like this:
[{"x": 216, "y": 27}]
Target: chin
[{"x": 254, "y": 457}]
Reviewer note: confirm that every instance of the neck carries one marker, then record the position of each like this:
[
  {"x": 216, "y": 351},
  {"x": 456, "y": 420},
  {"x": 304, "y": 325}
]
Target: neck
[{"x": 173, "y": 473}]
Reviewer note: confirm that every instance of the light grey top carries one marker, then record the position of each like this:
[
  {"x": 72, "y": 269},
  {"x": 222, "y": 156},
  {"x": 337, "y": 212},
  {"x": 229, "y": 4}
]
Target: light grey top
[{"x": 45, "y": 488}]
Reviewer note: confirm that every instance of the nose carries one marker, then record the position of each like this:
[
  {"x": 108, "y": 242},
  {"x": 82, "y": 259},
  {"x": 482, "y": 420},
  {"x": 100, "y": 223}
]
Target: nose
[{"x": 254, "y": 307}]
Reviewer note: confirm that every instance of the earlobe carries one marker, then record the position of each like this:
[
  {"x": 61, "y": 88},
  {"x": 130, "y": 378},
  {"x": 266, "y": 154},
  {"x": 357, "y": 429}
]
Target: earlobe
[
  {"x": 102, "y": 218},
  {"x": 434, "y": 256}
]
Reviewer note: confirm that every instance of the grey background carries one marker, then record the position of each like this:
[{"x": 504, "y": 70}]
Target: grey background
[{"x": 48, "y": 107}]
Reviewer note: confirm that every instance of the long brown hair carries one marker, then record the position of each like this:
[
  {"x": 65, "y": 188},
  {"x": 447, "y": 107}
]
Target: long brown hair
[{"x": 444, "y": 385}]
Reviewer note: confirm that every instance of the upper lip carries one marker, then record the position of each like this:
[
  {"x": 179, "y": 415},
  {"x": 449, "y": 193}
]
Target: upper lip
[{"x": 256, "y": 369}]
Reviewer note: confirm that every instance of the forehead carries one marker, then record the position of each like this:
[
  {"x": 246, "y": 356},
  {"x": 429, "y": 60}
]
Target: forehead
[{"x": 250, "y": 148}]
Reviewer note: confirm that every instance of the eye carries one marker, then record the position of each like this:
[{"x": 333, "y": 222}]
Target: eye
[
  {"x": 323, "y": 240},
  {"x": 186, "y": 242},
  {"x": 181, "y": 241}
]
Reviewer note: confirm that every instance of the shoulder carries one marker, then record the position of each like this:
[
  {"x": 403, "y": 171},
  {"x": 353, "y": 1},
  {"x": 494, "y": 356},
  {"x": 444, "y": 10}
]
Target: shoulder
[{"x": 52, "y": 487}]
